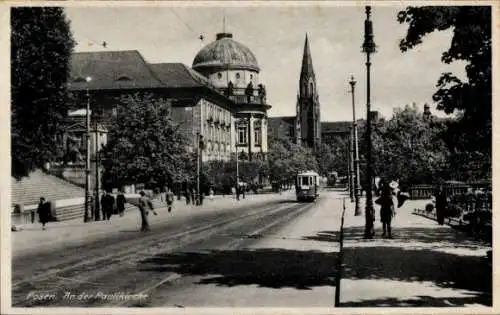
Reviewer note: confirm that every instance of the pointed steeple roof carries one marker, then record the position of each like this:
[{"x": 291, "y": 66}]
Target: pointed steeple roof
[{"x": 307, "y": 66}]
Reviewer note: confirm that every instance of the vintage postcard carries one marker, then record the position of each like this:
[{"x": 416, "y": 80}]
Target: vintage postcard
[{"x": 248, "y": 157}]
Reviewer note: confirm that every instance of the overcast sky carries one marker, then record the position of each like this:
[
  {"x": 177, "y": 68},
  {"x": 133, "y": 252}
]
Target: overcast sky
[{"x": 276, "y": 37}]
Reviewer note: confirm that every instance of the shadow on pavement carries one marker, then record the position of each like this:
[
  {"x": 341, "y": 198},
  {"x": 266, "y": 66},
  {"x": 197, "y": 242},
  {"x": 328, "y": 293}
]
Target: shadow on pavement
[
  {"x": 402, "y": 259},
  {"x": 423, "y": 301},
  {"x": 271, "y": 268}
]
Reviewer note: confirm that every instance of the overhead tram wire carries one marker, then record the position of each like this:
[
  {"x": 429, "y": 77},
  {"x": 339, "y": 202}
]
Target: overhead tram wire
[{"x": 200, "y": 36}]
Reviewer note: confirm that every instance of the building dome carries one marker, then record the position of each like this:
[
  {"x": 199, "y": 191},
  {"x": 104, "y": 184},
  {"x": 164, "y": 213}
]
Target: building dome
[{"x": 225, "y": 53}]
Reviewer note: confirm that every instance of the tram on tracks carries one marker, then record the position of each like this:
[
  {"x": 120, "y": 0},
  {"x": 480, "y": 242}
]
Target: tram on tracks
[{"x": 307, "y": 186}]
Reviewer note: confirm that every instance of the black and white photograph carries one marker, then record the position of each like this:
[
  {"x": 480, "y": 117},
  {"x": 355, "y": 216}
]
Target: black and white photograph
[{"x": 242, "y": 155}]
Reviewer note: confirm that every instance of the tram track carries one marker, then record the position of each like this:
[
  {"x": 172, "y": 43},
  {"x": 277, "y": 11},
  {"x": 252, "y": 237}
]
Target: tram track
[{"x": 88, "y": 273}]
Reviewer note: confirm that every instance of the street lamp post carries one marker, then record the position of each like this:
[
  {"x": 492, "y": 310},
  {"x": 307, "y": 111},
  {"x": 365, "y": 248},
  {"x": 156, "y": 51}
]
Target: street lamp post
[
  {"x": 97, "y": 162},
  {"x": 368, "y": 48},
  {"x": 87, "y": 160},
  {"x": 349, "y": 166},
  {"x": 198, "y": 166},
  {"x": 355, "y": 148}
]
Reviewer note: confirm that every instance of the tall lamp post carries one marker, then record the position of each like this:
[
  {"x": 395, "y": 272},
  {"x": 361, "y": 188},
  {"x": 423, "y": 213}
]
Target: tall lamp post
[
  {"x": 87, "y": 160},
  {"x": 199, "y": 159},
  {"x": 355, "y": 148},
  {"x": 368, "y": 48}
]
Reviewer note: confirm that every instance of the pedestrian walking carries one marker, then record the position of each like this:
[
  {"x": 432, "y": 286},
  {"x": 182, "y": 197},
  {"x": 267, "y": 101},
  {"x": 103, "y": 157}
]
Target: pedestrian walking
[
  {"x": 32, "y": 216},
  {"x": 120, "y": 203},
  {"x": 107, "y": 204},
  {"x": 187, "y": 195},
  {"x": 193, "y": 196},
  {"x": 211, "y": 194},
  {"x": 169, "y": 197},
  {"x": 441, "y": 204},
  {"x": 145, "y": 205},
  {"x": 43, "y": 212},
  {"x": 387, "y": 211}
]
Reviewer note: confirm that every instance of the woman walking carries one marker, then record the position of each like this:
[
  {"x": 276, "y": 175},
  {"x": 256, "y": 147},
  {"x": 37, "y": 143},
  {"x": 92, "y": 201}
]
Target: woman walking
[
  {"x": 144, "y": 204},
  {"x": 43, "y": 212},
  {"x": 386, "y": 210}
]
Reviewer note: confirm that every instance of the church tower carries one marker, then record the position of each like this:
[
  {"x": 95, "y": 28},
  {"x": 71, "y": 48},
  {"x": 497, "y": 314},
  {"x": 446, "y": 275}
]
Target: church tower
[{"x": 308, "y": 124}]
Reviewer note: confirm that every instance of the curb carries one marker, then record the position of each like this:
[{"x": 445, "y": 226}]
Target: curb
[{"x": 341, "y": 257}]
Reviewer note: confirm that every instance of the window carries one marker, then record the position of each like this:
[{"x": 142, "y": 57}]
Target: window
[
  {"x": 242, "y": 134},
  {"x": 237, "y": 75},
  {"x": 124, "y": 78},
  {"x": 251, "y": 77},
  {"x": 219, "y": 75},
  {"x": 257, "y": 134}
]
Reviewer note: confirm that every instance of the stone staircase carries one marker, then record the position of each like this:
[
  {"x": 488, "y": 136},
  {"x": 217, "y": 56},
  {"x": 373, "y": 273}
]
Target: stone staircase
[{"x": 29, "y": 190}]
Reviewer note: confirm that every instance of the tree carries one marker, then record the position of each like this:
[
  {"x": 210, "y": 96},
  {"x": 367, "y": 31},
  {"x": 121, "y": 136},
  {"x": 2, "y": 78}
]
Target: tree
[
  {"x": 41, "y": 46},
  {"x": 470, "y": 135},
  {"x": 408, "y": 148},
  {"x": 286, "y": 158},
  {"x": 146, "y": 146}
]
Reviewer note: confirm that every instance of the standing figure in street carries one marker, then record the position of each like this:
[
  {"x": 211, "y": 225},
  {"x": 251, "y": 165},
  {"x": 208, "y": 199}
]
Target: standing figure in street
[
  {"x": 145, "y": 204},
  {"x": 120, "y": 203},
  {"x": 211, "y": 194},
  {"x": 441, "y": 204},
  {"x": 169, "y": 198},
  {"x": 187, "y": 195},
  {"x": 43, "y": 212},
  {"x": 386, "y": 203},
  {"x": 107, "y": 204},
  {"x": 193, "y": 195}
]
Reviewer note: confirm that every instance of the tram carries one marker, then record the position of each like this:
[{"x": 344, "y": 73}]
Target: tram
[{"x": 307, "y": 186}]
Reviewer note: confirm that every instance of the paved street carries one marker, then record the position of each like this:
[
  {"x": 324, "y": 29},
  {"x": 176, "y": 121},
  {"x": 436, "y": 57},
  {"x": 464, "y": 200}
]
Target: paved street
[
  {"x": 256, "y": 252},
  {"x": 266, "y": 250}
]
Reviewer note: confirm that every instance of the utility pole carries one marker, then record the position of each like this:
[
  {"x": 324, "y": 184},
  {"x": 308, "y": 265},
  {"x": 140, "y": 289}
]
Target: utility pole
[
  {"x": 351, "y": 157},
  {"x": 198, "y": 167},
  {"x": 357, "y": 210},
  {"x": 87, "y": 160},
  {"x": 97, "y": 177},
  {"x": 349, "y": 180},
  {"x": 368, "y": 48}
]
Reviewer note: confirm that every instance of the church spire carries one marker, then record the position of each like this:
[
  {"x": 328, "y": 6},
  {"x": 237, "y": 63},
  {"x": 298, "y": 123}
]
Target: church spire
[{"x": 307, "y": 70}]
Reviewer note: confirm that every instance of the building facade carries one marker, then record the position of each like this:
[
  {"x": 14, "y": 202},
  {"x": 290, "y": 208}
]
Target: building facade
[{"x": 232, "y": 68}]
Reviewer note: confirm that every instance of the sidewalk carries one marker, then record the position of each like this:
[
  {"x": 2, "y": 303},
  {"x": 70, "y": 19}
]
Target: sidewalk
[
  {"x": 291, "y": 265},
  {"x": 78, "y": 232},
  {"x": 425, "y": 265}
]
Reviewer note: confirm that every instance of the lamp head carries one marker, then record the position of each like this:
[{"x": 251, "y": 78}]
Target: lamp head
[
  {"x": 88, "y": 79},
  {"x": 352, "y": 82}
]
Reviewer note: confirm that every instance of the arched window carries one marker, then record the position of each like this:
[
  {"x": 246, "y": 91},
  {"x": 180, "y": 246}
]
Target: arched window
[
  {"x": 311, "y": 89},
  {"x": 124, "y": 78}
]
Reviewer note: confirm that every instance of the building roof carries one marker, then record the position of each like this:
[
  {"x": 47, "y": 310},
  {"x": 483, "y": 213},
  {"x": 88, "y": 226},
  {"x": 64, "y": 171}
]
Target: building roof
[
  {"x": 111, "y": 70},
  {"x": 227, "y": 53},
  {"x": 335, "y": 126},
  {"x": 178, "y": 75},
  {"x": 281, "y": 119}
]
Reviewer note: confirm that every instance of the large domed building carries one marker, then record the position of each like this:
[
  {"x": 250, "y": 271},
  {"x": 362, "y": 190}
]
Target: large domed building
[{"x": 232, "y": 68}]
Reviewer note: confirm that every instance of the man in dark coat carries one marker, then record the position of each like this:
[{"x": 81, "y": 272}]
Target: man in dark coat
[
  {"x": 107, "y": 204},
  {"x": 169, "y": 196},
  {"x": 120, "y": 203},
  {"x": 43, "y": 212},
  {"x": 441, "y": 204}
]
